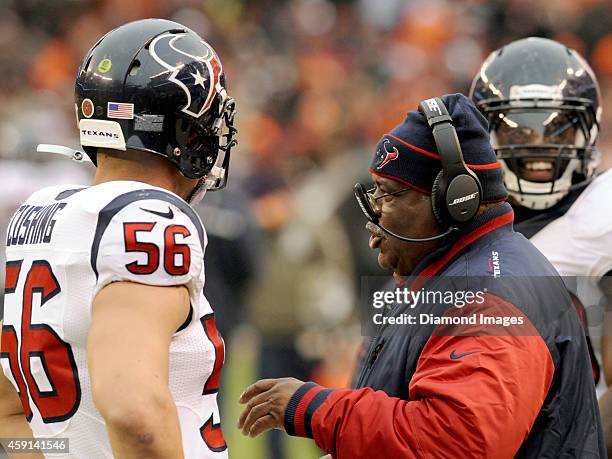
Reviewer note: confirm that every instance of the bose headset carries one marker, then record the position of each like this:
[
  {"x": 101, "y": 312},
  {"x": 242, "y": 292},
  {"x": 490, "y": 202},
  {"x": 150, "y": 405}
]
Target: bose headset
[{"x": 456, "y": 192}]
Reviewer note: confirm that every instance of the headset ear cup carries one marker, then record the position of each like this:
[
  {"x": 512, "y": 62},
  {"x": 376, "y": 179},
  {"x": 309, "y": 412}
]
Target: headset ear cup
[{"x": 437, "y": 199}]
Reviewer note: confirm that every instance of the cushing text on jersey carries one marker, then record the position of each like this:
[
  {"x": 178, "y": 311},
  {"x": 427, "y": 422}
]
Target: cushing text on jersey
[{"x": 33, "y": 224}]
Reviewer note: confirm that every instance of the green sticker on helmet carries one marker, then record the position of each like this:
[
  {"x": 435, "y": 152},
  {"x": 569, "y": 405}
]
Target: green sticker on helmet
[{"x": 105, "y": 65}]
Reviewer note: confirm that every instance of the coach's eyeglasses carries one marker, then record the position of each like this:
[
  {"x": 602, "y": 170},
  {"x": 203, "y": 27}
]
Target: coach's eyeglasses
[{"x": 369, "y": 202}]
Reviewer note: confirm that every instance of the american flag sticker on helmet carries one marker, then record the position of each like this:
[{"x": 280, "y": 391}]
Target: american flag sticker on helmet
[{"x": 120, "y": 110}]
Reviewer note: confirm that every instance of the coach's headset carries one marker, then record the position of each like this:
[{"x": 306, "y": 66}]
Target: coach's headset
[{"x": 456, "y": 192}]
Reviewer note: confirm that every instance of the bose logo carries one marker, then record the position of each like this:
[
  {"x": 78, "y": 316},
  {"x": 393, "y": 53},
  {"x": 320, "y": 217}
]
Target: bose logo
[
  {"x": 467, "y": 197},
  {"x": 432, "y": 104}
]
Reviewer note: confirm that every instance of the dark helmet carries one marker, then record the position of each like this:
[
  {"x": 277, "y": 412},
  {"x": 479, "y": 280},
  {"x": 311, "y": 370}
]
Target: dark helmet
[
  {"x": 155, "y": 86},
  {"x": 543, "y": 106}
]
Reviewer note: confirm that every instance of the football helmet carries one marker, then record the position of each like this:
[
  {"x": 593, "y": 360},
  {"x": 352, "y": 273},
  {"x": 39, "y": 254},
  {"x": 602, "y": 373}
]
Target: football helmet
[
  {"x": 542, "y": 102},
  {"x": 156, "y": 86}
]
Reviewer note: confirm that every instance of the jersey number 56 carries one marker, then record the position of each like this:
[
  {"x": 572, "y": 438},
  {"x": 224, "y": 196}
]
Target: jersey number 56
[{"x": 61, "y": 400}]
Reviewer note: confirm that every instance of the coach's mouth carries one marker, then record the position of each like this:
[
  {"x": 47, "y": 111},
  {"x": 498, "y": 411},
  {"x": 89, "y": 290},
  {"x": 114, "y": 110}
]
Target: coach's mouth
[{"x": 376, "y": 235}]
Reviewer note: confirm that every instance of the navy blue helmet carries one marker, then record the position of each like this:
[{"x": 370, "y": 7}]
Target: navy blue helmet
[
  {"x": 156, "y": 86},
  {"x": 542, "y": 102}
]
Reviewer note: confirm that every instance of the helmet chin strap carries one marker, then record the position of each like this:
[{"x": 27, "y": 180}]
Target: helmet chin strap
[
  {"x": 195, "y": 196},
  {"x": 75, "y": 155},
  {"x": 209, "y": 182},
  {"x": 198, "y": 192}
]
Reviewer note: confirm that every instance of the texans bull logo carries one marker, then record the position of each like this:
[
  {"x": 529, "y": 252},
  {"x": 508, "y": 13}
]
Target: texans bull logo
[
  {"x": 384, "y": 156},
  {"x": 199, "y": 79}
]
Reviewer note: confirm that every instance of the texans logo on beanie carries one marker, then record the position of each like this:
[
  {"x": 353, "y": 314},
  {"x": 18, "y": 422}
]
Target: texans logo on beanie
[
  {"x": 383, "y": 155},
  {"x": 408, "y": 153}
]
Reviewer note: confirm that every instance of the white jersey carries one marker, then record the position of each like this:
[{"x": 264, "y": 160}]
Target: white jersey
[
  {"x": 64, "y": 244},
  {"x": 579, "y": 244}
]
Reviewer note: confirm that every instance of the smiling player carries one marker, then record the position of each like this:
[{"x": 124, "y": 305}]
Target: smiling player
[{"x": 542, "y": 102}]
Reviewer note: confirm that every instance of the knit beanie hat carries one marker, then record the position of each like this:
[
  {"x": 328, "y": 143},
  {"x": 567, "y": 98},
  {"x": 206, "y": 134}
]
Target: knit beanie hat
[{"x": 408, "y": 154}]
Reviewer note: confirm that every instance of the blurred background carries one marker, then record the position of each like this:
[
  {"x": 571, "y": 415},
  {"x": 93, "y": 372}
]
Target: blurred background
[{"x": 317, "y": 82}]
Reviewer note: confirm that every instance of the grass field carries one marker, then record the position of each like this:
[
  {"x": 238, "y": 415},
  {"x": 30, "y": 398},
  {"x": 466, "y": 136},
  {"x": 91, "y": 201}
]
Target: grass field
[{"x": 240, "y": 371}]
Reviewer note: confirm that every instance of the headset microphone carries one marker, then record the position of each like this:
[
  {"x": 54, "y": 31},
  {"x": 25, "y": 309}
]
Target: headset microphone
[
  {"x": 426, "y": 239},
  {"x": 362, "y": 199}
]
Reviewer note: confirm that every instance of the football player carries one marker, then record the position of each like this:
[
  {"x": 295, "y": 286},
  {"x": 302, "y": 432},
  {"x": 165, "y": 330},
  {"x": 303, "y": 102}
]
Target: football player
[
  {"x": 542, "y": 102},
  {"x": 107, "y": 339}
]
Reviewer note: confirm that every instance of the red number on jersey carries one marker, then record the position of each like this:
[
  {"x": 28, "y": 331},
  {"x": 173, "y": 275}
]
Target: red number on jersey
[
  {"x": 210, "y": 328},
  {"x": 10, "y": 345},
  {"x": 10, "y": 349},
  {"x": 173, "y": 249},
  {"x": 40, "y": 340},
  {"x": 132, "y": 245},
  {"x": 211, "y": 433}
]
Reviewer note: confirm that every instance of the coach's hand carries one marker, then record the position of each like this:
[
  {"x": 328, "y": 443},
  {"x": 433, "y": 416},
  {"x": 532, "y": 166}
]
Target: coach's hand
[{"x": 266, "y": 402}]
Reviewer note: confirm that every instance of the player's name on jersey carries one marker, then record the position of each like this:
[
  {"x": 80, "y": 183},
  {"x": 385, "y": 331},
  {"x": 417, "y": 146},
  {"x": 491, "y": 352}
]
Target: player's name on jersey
[{"x": 33, "y": 224}]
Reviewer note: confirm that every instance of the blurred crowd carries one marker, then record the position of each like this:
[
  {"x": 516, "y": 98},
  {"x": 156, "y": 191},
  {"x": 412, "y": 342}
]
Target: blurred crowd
[{"x": 316, "y": 83}]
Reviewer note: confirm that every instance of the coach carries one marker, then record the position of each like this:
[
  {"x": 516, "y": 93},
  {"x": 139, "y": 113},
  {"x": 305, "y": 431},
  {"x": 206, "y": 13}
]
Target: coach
[{"x": 438, "y": 212}]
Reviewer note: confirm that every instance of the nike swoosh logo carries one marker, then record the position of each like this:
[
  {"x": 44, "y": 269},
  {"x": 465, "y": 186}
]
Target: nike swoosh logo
[
  {"x": 168, "y": 214},
  {"x": 454, "y": 356}
]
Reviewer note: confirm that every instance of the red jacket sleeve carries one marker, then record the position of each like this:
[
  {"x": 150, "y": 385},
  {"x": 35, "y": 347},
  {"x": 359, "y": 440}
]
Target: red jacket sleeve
[{"x": 471, "y": 396}]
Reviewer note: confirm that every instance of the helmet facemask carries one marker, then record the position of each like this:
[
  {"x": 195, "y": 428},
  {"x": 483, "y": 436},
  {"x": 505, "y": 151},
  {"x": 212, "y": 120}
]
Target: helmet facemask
[
  {"x": 204, "y": 144},
  {"x": 225, "y": 131},
  {"x": 169, "y": 90},
  {"x": 546, "y": 147},
  {"x": 213, "y": 144}
]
